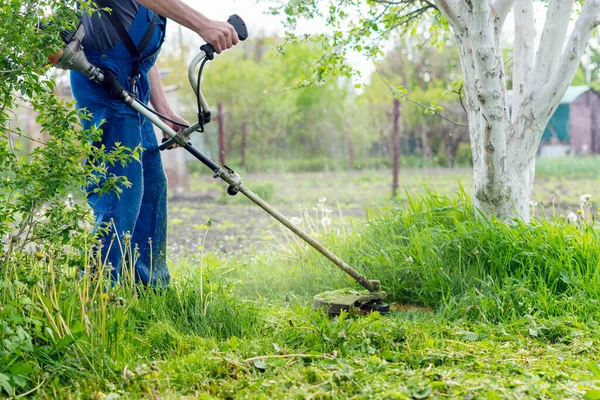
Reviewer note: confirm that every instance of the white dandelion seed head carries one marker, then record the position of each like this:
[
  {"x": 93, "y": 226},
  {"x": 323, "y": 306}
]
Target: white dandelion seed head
[
  {"x": 572, "y": 217},
  {"x": 296, "y": 221},
  {"x": 326, "y": 221},
  {"x": 410, "y": 260},
  {"x": 322, "y": 200},
  {"x": 586, "y": 198},
  {"x": 85, "y": 226},
  {"x": 69, "y": 202},
  {"x": 533, "y": 204},
  {"x": 30, "y": 248}
]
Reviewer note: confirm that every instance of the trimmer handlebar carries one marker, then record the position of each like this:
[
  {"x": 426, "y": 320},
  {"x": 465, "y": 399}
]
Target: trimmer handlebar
[{"x": 207, "y": 52}]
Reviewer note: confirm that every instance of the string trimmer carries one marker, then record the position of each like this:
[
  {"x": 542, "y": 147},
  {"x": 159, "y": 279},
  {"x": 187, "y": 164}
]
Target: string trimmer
[{"x": 73, "y": 58}]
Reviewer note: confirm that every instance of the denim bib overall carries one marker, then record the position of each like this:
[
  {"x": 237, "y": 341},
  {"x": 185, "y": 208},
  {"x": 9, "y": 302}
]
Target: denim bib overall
[{"x": 140, "y": 210}]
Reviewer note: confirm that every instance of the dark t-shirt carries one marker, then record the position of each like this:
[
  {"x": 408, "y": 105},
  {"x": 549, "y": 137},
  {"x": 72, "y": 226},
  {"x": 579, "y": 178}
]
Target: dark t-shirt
[{"x": 99, "y": 33}]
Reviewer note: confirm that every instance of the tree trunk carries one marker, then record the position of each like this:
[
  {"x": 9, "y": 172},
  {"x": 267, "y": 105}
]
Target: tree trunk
[
  {"x": 504, "y": 145},
  {"x": 427, "y": 152}
]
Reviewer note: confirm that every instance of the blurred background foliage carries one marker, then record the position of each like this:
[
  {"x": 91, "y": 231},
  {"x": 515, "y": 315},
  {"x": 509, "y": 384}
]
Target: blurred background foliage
[{"x": 268, "y": 86}]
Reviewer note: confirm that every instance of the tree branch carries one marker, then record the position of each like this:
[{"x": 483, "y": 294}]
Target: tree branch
[
  {"x": 502, "y": 8},
  {"x": 416, "y": 103},
  {"x": 553, "y": 39},
  {"x": 554, "y": 89},
  {"x": 449, "y": 10},
  {"x": 523, "y": 52}
]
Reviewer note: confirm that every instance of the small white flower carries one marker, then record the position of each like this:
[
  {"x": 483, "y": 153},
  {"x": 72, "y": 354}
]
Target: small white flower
[
  {"x": 296, "y": 221},
  {"x": 322, "y": 200},
  {"x": 586, "y": 198},
  {"x": 572, "y": 217},
  {"x": 410, "y": 260},
  {"x": 533, "y": 204},
  {"x": 326, "y": 221}
]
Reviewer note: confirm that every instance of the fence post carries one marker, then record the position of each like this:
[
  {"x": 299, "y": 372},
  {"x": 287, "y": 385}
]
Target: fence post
[
  {"x": 349, "y": 146},
  {"x": 244, "y": 144},
  {"x": 396, "y": 148},
  {"x": 222, "y": 146}
]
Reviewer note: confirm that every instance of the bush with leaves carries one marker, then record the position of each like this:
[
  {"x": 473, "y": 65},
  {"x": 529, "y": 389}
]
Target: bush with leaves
[{"x": 39, "y": 218}]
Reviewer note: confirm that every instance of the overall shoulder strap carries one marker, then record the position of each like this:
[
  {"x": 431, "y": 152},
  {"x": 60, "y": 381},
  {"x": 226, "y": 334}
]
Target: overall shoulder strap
[{"x": 135, "y": 51}]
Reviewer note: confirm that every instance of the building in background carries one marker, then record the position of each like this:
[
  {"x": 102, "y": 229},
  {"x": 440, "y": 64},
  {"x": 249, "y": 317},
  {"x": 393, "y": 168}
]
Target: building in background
[
  {"x": 583, "y": 121},
  {"x": 574, "y": 127}
]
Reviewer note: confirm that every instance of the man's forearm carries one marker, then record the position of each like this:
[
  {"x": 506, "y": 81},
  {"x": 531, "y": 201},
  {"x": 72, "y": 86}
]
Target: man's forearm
[
  {"x": 158, "y": 97},
  {"x": 177, "y": 11},
  {"x": 220, "y": 35}
]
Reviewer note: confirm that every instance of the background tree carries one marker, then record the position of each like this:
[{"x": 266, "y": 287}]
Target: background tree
[{"x": 424, "y": 71}]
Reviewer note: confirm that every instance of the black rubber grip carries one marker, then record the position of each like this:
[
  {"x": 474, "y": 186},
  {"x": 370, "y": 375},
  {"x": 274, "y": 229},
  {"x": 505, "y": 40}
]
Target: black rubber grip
[
  {"x": 240, "y": 27},
  {"x": 167, "y": 144},
  {"x": 112, "y": 86}
]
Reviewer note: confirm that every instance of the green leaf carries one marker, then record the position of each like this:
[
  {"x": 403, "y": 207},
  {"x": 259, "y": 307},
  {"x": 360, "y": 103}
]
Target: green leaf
[
  {"x": 66, "y": 341},
  {"x": 467, "y": 336},
  {"x": 234, "y": 342},
  {"x": 261, "y": 365},
  {"x": 592, "y": 395},
  {"x": 5, "y": 384},
  {"x": 278, "y": 362}
]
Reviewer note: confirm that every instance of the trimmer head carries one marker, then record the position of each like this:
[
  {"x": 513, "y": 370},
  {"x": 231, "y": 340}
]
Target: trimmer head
[{"x": 349, "y": 300}]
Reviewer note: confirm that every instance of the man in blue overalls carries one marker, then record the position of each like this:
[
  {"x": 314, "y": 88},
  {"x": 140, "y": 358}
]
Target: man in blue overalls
[{"x": 127, "y": 42}]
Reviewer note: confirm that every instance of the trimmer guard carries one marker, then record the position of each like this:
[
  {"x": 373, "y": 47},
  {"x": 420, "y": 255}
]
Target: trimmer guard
[{"x": 337, "y": 301}]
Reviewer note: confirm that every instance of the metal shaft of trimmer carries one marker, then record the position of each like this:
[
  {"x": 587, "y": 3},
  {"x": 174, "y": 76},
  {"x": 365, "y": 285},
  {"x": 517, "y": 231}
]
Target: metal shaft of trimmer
[{"x": 235, "y": 182}]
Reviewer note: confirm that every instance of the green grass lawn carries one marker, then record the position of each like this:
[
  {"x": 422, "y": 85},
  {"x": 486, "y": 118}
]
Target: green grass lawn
[{"x": 497, "y": 311}]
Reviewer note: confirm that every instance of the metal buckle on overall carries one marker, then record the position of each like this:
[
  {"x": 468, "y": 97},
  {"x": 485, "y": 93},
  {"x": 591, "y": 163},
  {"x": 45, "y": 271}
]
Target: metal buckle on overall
[
  {"x": 134, "y": 83},
  {"x": 135, "y": 74}
]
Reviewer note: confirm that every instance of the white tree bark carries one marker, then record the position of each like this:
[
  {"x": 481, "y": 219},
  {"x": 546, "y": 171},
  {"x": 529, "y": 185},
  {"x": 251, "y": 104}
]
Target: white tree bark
[{"x": 504, "y": 144}]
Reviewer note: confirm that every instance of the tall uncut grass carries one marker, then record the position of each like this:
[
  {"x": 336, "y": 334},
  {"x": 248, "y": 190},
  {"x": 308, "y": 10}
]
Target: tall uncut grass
[
  {"x": 436, "y": 251},
  {"x": 61, "y": 325}
]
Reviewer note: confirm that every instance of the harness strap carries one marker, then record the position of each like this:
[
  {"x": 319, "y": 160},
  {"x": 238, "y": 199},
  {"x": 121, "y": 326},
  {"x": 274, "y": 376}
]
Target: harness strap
[{"x": 135, "y": 51}]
